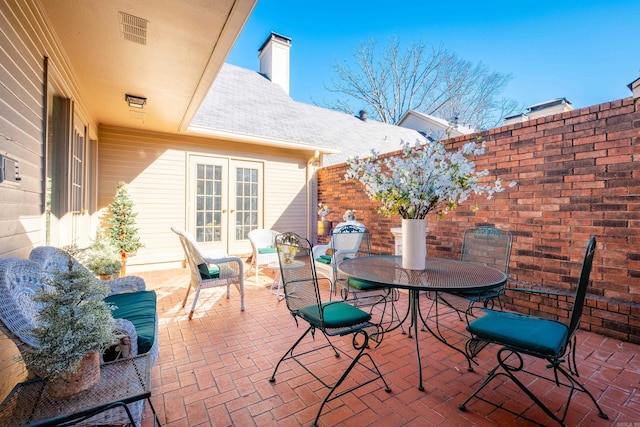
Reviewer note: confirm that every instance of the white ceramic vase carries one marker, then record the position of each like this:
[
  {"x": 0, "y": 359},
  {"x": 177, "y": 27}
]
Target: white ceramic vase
[{"x": 414, "y": 244}]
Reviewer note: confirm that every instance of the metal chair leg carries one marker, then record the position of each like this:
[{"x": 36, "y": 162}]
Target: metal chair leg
[
  {"x": 361, "y": 347},
  {"x": 510, "y": 368}
]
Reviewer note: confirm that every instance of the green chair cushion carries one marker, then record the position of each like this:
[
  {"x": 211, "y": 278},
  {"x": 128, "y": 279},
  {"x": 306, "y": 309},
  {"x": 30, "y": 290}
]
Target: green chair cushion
[
  {"x": 325, "y": 259},
  {"x": 363, "y": 285},
  {"x": 520, "y": 331},
  {"x": 267, "y": 250},
  {"x": 336, "y": 315},
  {"x": 207, "y": 272},
  {"x": 140, "y": 309}
]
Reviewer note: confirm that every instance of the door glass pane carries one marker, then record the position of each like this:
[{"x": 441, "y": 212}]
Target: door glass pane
[
  {"x": 246, "y": 202},
  {"x": 208, "y": 203}
]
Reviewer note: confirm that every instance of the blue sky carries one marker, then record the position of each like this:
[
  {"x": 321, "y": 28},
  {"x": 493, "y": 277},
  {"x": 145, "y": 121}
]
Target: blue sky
[{"x": 587, "y": 51}]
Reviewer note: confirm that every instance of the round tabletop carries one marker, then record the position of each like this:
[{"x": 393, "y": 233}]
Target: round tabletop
[{"x": 440, "y": 274}]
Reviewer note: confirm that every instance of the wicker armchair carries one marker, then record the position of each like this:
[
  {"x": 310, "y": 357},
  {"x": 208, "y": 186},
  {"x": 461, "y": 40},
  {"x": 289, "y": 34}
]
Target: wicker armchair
[
  {"x": 263, "y": 244},
  {"x": 210, "y": 270},
  {"x": 19, "y": 280}
]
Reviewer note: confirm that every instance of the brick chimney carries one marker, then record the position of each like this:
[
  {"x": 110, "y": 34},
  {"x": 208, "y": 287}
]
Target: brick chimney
[{"x": 274, "y": 59}]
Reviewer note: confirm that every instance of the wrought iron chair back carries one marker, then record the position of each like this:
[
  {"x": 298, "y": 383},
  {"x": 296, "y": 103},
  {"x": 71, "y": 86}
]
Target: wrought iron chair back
[
  {"x": 581, "y": 290},
  {"x": 541, "y": 338},
  {"x": 488, "y": 246},
  {"x": 299, "y": 279}
]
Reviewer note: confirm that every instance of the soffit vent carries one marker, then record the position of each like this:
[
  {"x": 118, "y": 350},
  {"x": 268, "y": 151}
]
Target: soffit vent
[
  {"x": 136, "y": 115},
  {"x": 133, "y": 28}
]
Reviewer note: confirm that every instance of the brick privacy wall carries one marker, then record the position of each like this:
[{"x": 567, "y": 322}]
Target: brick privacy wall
[{"x": 577, "y": 174}]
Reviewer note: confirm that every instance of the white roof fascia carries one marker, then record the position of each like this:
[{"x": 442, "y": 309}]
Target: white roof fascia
[
  {"x": 261, "y": 140},
  {"x": 426, "y": 117}
]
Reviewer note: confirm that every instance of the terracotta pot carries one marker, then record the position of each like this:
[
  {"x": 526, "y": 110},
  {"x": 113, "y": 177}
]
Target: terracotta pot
[{"x": 86, "y": 377}]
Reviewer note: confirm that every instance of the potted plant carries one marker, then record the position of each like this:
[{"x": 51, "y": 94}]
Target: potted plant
[
  {"x": 121, "y": 229},
  {"x": 425, "y": 178},
  {"x": 74, "y": 326},
  {"x": 102, "y": 258},
  {"x": 105, "y": 265}
]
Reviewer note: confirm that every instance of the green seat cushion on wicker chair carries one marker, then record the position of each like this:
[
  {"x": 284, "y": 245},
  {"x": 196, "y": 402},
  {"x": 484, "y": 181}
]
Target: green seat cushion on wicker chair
[
  {"x": 362, "y": 285},
  {"x": 520, "y": 331},
  {"x": 207, "y": 272},
  {"x": 267, "y": 250},
  {"x": 325, "y": 259},
  {"x": 336, "y": 315},
  {"x": 138, "y": 308}
]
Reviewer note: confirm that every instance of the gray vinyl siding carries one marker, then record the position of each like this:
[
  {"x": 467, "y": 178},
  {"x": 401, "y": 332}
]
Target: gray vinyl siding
[
  {"x": 25, "y": 42},
  {"x": 21, "y": 131},
  {"x": 21, "y": 135}
]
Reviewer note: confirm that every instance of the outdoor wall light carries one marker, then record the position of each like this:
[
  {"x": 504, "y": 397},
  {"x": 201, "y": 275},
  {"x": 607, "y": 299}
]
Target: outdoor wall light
[{"x": 135, "y": 101}]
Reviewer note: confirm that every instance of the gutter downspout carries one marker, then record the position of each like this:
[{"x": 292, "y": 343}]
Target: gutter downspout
[{"x": 312, "y": 195}]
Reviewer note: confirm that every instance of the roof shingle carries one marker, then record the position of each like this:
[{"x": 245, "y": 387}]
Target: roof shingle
[{"x": 246, "y": 102}]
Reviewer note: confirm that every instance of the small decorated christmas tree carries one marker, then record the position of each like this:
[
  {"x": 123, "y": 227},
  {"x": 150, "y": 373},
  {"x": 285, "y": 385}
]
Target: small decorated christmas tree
[
  {"x": 121, "y": 229},
  {"x": 73, "y": 326}
]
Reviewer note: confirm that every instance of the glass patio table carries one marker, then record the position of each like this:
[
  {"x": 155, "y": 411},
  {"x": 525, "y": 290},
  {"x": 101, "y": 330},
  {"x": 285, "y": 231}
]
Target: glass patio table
[{"x": 440, "y": 275}]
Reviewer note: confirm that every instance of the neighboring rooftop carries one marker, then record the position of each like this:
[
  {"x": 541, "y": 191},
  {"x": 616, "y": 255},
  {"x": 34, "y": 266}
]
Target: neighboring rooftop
[
  {"x": 634, "y": 87},
  {"x": 547, "y": 108},
  {"x": 433, "y": 127}
]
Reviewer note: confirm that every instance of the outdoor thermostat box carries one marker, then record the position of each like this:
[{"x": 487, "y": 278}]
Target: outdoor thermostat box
[{"x": 9, "y": 170}]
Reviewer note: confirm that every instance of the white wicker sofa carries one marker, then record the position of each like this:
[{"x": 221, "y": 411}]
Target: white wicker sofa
[{"x": 19, "y": 280}]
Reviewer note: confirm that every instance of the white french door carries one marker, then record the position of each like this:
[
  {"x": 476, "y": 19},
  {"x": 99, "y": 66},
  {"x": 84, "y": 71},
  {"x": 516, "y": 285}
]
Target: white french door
[{"x": 224, "y": 202}]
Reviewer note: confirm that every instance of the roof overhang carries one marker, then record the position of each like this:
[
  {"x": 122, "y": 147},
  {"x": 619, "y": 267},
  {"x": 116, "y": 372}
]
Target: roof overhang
[
  {"x": 172, "y": 64},
  {"x": 260, "y": 140}
]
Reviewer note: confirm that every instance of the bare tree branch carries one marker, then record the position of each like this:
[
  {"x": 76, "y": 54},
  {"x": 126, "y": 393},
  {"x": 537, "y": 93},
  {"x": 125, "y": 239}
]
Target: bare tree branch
[{"x": 392, "y": 81}]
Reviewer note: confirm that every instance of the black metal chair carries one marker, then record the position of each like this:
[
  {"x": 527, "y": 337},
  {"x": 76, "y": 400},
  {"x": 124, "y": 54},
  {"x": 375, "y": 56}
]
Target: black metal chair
[
  {"x": 520, "y": 334},
  {"x": 332, "y": 318},
  {"x": 486, "y": 245}
]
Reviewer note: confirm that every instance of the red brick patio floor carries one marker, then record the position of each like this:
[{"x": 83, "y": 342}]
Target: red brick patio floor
[{"x": 213, "y": 370}]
